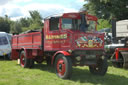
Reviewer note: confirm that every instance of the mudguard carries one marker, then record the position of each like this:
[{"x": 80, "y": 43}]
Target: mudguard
[{"x": 59, "y": 52}]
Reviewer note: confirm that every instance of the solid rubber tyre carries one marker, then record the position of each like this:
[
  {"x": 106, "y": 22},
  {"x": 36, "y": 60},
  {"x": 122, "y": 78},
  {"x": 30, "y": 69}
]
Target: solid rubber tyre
[
  {"x": 63, "y": 66},
  {"x": 24, "y": 61},
  {"x": 100, "y": 68}
]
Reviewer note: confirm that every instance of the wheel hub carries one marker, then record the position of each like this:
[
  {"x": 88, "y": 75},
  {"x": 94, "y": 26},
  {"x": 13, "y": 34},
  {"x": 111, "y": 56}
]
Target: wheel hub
[{"x": 61, "y": 67}]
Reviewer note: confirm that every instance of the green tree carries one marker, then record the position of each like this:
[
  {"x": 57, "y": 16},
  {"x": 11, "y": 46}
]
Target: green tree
[
  {"x": 108, "y": 9},
  {"x": 36, "y": 20},
  {"x": 16, "y": 27},
  {"x": 32, "y": 23},
  {"x": 103, "y": 24},
  {"x": 24, "y": 22},
  {"x": 5, "y": 24}
]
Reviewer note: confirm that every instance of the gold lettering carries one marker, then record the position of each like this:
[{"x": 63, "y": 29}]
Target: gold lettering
[
  {"x": 57, "y": 37},
  {"x": 62, "y": 36},
  {"x": 46, "y": 36}
]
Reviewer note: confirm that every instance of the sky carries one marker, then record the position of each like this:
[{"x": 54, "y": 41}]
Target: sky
[{"x": 16, "y": 9}]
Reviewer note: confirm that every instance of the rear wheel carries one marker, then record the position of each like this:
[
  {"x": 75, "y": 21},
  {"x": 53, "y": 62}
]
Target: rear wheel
[
  {"x": 118, "y": 64},
  {"x": 100, "y": 68},
  {"x": 24, "y": 61},
  {"x": 63, "y": 66}
]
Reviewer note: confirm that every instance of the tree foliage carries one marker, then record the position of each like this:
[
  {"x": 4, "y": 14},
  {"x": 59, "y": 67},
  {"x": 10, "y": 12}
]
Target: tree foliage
[
  {"x": 16, "y": 27},
  {"x": 103, "y": 24},
  {"x": 5, "y": 24},
  {"x": 34, "y": 22},
  {"x": 108, "y": 9}
]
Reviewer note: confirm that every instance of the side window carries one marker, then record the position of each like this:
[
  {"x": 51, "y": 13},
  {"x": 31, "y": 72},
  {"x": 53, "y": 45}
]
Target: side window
[
  {"x": 54, "y": 24},
  {"x": 66, "y": 23}
]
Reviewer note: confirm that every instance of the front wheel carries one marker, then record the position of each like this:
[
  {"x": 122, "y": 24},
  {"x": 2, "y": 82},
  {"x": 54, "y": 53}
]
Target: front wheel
[
  {"x": 63, "y": 66},
  {"x": 100, "y": 68}
]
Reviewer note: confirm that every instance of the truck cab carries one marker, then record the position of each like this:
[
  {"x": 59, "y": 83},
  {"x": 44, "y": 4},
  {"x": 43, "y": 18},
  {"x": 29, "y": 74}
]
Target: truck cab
[{"x": 72, "y": 31}]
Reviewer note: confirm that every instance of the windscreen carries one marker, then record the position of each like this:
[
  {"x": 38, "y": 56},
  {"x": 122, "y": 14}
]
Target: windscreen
[
  {"x": 3, "y": 40},
  {"x": 76, "y": 24},
  {"x": 72, "y": 24}
]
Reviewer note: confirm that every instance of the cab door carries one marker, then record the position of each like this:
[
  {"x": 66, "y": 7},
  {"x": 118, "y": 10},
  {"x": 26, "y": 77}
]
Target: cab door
[
  {"x": 52, "y": 34},
  {"x": 66, "y": 34}
]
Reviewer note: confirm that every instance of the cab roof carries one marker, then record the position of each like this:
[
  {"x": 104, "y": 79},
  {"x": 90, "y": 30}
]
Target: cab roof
[{"x": 73, "y": 15}]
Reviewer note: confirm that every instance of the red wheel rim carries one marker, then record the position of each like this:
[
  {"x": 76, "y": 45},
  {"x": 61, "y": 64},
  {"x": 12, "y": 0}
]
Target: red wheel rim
[
  {"x": 61, "y": 67},
  {"x": 22, "y": 60}
]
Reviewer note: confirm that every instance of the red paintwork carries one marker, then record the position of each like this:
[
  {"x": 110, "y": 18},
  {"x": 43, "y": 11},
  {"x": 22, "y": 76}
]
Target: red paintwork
[
  {"x": 65, "y": 53},
  {"x": 25, "y": 42},
  {"x": 14, "y": 55},
  {"x": 117, "y": 50},
  {"x": 30, "y": 40},
  {"x": 77, "y": 16},
  {"x": 72, "y": 40},
  {"x": 117, "y": 53},
  {"x": 90, "y": 17},
  {"x": 57, "y": 41}
]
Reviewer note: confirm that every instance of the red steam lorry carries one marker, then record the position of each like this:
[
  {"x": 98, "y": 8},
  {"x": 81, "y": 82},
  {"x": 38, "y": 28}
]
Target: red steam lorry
[{"x": 67, "y": 40}]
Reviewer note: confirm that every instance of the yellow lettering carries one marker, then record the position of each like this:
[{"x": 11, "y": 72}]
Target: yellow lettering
[
  {"x": 62, "y": 36},
  {"x": 46, "y": 36}
]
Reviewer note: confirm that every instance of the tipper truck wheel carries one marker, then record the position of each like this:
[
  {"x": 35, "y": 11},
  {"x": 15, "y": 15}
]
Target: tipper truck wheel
[
  {"x": 63, "y": 66},
  {"x": 24, "y": 61},
  {"x": 100, "y": 68}
]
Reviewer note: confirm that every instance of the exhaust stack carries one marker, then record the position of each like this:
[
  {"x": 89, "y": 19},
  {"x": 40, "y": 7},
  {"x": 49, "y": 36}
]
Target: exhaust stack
[{"x": 114, "y": 29}]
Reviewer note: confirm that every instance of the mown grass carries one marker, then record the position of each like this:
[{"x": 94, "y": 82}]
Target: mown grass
[{"x": 41, "y": 74}]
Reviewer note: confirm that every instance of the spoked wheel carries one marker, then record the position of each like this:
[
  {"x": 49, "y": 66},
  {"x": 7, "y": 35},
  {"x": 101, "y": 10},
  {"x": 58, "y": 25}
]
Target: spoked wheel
[
  {"x": 25, "y": 62},
  {"x": 100, "y": 68},
  {"x": 63, "y": 66}
]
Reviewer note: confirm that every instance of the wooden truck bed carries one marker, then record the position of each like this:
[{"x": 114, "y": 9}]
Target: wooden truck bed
[{"x": 28, "y": 41}]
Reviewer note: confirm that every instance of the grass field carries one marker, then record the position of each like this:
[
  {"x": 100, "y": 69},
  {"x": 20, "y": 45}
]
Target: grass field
[{"x": 13, "y": 74}]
